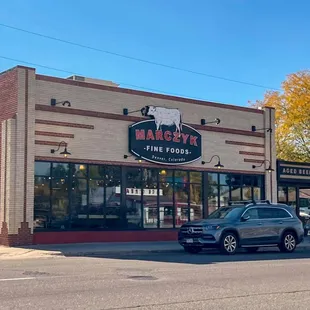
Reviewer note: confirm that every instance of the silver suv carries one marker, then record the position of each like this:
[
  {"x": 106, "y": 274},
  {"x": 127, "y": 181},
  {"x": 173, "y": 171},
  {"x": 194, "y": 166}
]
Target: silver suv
[{"x": 248, "y": 225}]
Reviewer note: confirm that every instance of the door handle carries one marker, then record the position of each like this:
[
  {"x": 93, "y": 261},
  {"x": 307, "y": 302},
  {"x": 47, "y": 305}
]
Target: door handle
[
  {"x": 280, "y": 222},
  {"x": 259, "y": 223}
]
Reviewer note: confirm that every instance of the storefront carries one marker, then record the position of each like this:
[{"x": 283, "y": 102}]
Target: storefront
[
  {"x": 84, "y": 160},
  {"x": 294, "y": 186}
]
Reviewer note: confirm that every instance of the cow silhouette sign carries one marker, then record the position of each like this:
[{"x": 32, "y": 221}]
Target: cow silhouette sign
[{"x": 164, "y": 138}]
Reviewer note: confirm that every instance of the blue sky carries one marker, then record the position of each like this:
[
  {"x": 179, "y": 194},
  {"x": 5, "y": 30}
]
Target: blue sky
[{"x": 256, "y": 41}]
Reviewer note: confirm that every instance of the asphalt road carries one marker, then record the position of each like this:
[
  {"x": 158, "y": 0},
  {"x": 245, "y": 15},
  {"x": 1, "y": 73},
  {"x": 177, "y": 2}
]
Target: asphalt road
[{"x": 268, "y": 280}]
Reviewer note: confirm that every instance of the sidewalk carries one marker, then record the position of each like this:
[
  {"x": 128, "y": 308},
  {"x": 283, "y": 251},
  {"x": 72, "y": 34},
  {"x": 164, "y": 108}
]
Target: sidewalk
[
  {"x": 88, "y": 249},
  {"x": 99, "y": 249}
]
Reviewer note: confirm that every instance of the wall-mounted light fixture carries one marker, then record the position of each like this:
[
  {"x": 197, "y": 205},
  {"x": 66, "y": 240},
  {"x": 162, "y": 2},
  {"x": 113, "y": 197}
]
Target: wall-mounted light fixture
[
  {"x": 260, "y": 129},
  {"x": 137, "y": 158},
  {"x": 65, "y": 102},
  {"x": 218, "y": 165},
  {"x": 65, "y": 152},
  {"x": 269, "y": 169},
  {"x": 204, "y": 122},
  {"x": 126, "y": 112}
]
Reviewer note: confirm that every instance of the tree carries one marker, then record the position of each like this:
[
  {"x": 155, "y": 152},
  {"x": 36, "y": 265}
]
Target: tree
[{"x": 292, "y": 113}]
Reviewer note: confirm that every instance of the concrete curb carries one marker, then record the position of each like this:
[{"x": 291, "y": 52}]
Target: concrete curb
[{"x": 109, "y": 253}]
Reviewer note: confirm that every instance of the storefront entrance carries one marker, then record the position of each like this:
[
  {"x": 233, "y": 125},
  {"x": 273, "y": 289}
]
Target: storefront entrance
[{"x": 294, "y": 187}]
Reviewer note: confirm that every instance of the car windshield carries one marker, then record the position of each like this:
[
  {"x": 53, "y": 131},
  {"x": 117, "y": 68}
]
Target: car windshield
[{"x": 225, "y": 213}]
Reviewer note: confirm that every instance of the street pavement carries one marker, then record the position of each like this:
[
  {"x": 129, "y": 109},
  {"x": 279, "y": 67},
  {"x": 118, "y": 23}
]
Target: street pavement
[{"x": 163, "y": 280}]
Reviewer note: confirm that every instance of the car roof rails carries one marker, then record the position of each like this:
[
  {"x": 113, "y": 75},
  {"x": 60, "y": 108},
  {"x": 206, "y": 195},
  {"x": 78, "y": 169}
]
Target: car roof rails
[
  {"x": 240, "y": 202},
  {"x": 246, "y": 202}
]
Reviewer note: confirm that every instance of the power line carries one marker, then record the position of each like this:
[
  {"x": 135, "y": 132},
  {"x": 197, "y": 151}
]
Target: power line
[
  {"x": 75, "y": 73},
  {"x": 135, "y": 58}
]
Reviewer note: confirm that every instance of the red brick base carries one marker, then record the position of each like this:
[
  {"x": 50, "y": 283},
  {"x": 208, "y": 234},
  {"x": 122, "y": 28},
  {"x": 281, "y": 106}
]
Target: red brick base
[
  {"x": 103, "y": 236},
  {"x": 24, "y": 236}
]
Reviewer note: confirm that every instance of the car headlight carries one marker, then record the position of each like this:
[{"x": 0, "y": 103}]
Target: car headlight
[{"x": 212, "y": 227}]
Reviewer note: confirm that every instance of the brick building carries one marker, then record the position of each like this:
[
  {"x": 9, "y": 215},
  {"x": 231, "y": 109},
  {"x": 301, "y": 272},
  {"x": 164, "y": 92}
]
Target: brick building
[{"x": 82, "y": 161}]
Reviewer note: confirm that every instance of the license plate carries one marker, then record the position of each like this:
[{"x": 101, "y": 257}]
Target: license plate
[{"x": 189, "y": 240}]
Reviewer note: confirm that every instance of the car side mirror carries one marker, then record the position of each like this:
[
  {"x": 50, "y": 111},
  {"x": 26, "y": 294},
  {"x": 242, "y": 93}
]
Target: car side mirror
[{"x": 245, "y": 218}]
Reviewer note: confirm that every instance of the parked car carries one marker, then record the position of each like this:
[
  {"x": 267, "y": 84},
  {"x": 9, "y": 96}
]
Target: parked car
[{"x": 248, "y": 225}]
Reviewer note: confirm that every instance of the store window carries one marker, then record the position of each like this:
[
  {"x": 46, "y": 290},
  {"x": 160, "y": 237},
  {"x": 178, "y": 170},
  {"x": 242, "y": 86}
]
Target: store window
[
  {"x": 134, "y": 196},
  {"x": 113, "y": 190},
  {"x": 151, "y": 196},
  {"x": 82, "y": 196}
]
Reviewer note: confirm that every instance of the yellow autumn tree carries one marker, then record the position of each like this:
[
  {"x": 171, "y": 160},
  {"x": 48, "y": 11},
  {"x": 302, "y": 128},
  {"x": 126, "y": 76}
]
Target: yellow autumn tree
[{"x": 292, "y": 115}]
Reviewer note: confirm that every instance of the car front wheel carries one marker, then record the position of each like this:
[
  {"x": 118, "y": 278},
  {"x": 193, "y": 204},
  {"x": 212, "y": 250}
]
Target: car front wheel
[
  {"x": 229, "y": 244},
  {"x": 288, "y": 243}
]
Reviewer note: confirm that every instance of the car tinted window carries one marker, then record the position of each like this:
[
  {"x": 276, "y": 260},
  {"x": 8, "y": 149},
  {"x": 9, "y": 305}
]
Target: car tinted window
[
  {"x": 252, "y": 213},
  {"x": 272, "y": 213},
  {"x": 281, "y": 214},
  {"x": 225, "y": 213}
]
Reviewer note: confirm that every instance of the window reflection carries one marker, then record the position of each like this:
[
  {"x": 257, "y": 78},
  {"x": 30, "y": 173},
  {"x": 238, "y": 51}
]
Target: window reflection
[
  {"x": 212, "y": 198},
  {"x": 166, "y": 207},
  {"x": 181, "y": 203},
  {"x": 79, "y": 203},
  {"x": 96, "y": 203},
  {"x": 91, "y": 196},
  {"x": 113, "y": 195},
  {"x": 134, "y": 197},
  {"x": 41, "y": 202},
  {"x": 60, "y": 170},
  {"x": 60, "y": 203},
  {"x": 196, "y": 210},
  {"x": 150, "y": 196},
  {"x": 42, "y": 169}
]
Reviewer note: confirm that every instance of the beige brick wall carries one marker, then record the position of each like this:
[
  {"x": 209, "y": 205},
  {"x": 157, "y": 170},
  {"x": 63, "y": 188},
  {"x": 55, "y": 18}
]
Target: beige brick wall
[
  {"x": 2, "y": 171},
  {"x": 114, "y": 102},
  {"x": 109, "y": 139}
]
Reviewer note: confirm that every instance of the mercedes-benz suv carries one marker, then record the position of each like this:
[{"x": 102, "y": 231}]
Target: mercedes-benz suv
[{"x": 244, "y": 225}]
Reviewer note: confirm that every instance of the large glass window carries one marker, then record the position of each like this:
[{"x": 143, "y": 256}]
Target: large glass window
[
  {"x": 134, "y": 194},
  {"x": 42, "y": 195},
  {"x": 151, "y": 195},
  {"x": 113, "y": 190},
  {"x": 82, "y": 196},
  {"x": 166, "y": 206}
]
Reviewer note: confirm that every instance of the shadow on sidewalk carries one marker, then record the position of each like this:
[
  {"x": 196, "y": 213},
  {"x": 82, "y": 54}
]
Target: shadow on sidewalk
[{"x": 205, "y": 257}]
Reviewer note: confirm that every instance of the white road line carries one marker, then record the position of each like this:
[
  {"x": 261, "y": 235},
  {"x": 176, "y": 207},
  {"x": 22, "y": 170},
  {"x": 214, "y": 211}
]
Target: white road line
[{"x": 17, "y": 279}]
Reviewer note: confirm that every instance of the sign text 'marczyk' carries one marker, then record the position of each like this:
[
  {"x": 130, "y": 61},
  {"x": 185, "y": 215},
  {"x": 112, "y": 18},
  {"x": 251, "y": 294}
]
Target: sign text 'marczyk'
[{"x": 159, "y": 135}]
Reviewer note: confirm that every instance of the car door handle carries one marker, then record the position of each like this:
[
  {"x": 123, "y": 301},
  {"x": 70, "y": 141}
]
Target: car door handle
[
  {"x": 259, "y": 223},
  {"x": 281, "y": 222}
]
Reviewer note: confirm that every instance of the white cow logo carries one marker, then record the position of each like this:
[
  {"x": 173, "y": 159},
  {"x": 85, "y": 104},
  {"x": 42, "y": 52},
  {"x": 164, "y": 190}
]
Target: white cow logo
[{"x": 164, "y": 116}]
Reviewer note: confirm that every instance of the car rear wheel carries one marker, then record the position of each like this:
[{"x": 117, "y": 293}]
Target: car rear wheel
[
  {"x": 229, "y": 244},
  {"x": 252, "y": 250},
  {"x": 288, "y": 243},
  {"x": 192, "y": 250}
]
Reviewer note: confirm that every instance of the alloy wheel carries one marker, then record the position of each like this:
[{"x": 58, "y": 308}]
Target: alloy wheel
[
  {"x": 289, "y": 242},
  {"x": 230, "y": 243}
]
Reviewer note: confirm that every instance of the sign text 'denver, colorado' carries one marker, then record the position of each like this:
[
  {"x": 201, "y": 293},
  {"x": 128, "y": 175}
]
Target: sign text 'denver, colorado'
[{"x": 164, "y": 145}]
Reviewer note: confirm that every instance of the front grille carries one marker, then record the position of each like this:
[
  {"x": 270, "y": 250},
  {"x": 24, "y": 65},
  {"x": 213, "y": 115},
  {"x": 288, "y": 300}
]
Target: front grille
[{"x": 194, "y": 231}]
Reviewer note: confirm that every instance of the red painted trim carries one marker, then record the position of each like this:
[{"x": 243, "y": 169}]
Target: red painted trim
[
  {"x": 249, "y": 160},
  {"x": 244, "y": 143},
  {"x": 145, "y": 94},
  {"x": 52, "y": 143},
  {"x": 54, "y": 134},
  {"x": 65, "y": 124},
  {"x": 252, "y": 153},
  {"x": 145, "y": 164},
  {"x": 104, "y": 236},
  {"x": 129, "y": 118}
]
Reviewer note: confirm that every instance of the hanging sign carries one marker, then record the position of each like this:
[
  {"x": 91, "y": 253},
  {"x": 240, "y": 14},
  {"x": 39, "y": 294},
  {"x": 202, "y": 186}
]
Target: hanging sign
[{"x": 164, "y": 139}]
